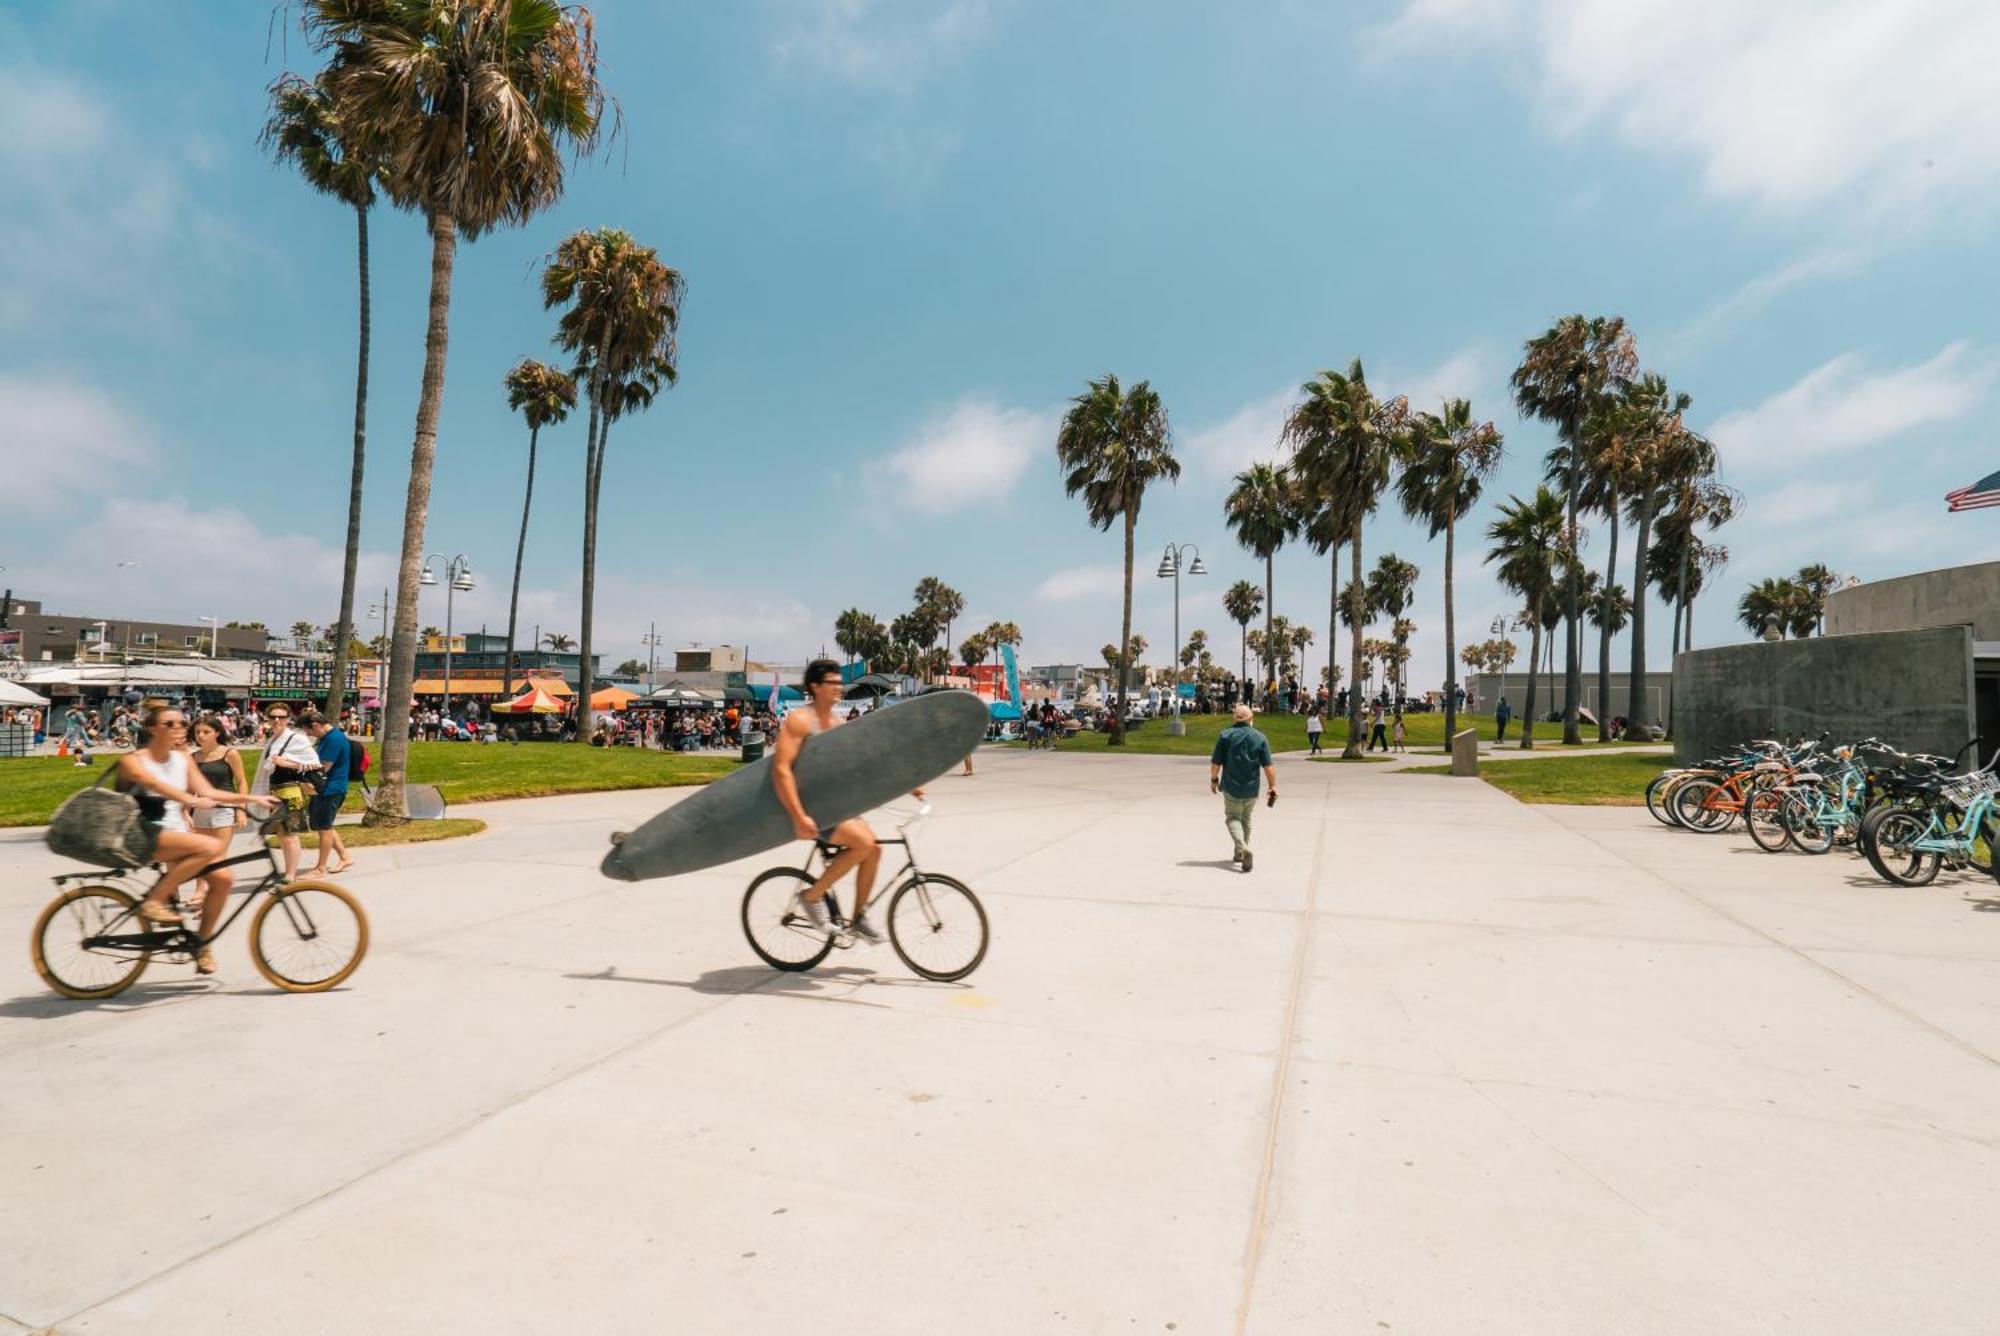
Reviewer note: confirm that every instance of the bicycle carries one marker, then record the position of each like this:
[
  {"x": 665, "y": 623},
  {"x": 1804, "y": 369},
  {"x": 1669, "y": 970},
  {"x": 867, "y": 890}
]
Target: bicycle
[
  {"x": 89, "y": 943},
  {"x": 936, "y": 923}
]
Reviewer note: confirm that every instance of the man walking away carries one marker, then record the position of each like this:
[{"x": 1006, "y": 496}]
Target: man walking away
[
  {"x": 1378, "y": 733},
  {"x": 1240, "y": 753},
  {"x": 1314, "y": 727},
  {"x": 1501, "y": 714}
]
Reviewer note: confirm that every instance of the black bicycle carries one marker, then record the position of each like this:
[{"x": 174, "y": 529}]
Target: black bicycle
[
  {"x": 936, "y": 923},
  {"x": 306, "y": 937}
]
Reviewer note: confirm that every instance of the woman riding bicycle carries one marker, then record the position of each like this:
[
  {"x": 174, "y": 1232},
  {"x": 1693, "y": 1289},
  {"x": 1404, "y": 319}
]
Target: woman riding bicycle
[{"x": 162, "y": 777}]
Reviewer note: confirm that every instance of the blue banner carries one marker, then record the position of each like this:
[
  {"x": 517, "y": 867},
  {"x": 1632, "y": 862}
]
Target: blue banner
[{"x": 1013, "y": 674}]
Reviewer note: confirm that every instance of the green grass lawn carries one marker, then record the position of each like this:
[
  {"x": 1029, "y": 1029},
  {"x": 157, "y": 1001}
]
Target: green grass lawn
[
  {"x": 31, "y": 787},
  {"x": 1287, "y": 732},
  {"x": 1606, "y": 781},
  {"x": 414, "y": 832}
]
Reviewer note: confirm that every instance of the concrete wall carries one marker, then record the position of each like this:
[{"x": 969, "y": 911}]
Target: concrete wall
[
  {"x": 1912, "y": 689},
  {"x": 1960, "y": 596}
]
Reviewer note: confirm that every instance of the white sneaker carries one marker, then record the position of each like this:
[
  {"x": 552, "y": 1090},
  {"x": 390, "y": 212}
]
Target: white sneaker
[
  {"x": 867, "y": 931},
  {"x": 816, "y": 917}
]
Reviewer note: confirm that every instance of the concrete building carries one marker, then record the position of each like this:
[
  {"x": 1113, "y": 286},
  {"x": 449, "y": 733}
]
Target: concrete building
[
  {"x": 30, "y": 634},
  {"x": 709, "y": 659},
  {"x": 479, "y": 665},
  {"x": 1914, "y": 660}
]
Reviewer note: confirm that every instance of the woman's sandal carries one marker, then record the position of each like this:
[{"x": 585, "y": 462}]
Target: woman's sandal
[{"x": 204, "y": 961}]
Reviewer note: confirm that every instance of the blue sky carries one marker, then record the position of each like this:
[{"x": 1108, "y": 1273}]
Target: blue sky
[{"x": 911, "y": 231}]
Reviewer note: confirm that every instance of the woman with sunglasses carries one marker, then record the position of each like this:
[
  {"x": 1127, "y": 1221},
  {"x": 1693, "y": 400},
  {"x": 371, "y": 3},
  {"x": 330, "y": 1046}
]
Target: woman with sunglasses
[{"x": 162, "y": 777}]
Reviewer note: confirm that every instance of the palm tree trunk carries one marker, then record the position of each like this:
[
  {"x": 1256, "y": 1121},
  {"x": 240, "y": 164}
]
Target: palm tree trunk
[
  {"x": 1528, "y": 705},
  {"x": 1124, "y": 639},
  {"x": 593, "y": 454},
  {"x": 1450, "y": 628},
  {"x": 1353, "y": 747},
  {"x": 1332, "y": 622},
  {"x": 520, "y": 552},
  {"x": 344, "y": 626},
  {"x": 1604, "y": 631},
  {"x": 1270, "y": 611},
  {"x": 1687, "y": 616},
  {"x": 1572, "y": 612},
  {"x": 1635, "y": 685},
  {"x": 390, "y": 806}
]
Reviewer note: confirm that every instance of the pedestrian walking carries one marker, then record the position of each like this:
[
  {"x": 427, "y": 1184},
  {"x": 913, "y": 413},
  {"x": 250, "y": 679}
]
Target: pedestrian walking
[
  {"x": 1378, "y": 733},
  {"x": 1314, "y": 727},
  {"x": 1397, "y": 732},
  {"x": 336, "y": 757},
  {"x": 1501, "y": 714},
  {"x": 1241, "y": 752}
]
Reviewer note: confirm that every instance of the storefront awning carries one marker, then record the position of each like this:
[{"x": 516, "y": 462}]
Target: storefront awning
[{"x": 488, "y": 686}]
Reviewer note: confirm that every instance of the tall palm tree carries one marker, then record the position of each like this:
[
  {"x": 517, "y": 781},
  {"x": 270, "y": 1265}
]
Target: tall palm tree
[
  {"x": 333, "y": 156},
  {"x": 944, "y": 604},
  {"x": 1777, "y": 600},
  {"x": 974, "y": 649},
  {"x": 1344, "y": 443},
  {"x": 1391, "y": 588},
  {"x": 1262, "y": 511},
  {"x": 1112, "y": 445},
  {"x": 1446, "y": 460},
  {"x": 543, "y": 396},
  {"x": 1527, "y": 542},
  {"x": 1243, "y": 602},
  {"x": 1609, "y": 611},
  {"x": 472, "y": 103},
  {"x": 852, "y": 631},
  {"x": 1326, "y": 527},
  {"x": 1628, "y": 438},
  {"x": 1564, "y": 377},
  {"x": 559, "y": 642},
  {"x": 1817, "y": 580},
  {"x": 622, "y": 324}
]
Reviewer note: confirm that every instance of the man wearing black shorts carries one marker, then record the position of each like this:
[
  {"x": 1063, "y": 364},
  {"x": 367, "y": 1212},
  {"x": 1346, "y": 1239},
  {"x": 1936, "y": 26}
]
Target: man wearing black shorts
[{"x": 335, "y": 753}]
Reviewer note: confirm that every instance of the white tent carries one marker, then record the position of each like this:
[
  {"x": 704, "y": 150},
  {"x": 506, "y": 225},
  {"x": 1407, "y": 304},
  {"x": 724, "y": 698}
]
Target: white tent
[{"x": 12, "y": 693}]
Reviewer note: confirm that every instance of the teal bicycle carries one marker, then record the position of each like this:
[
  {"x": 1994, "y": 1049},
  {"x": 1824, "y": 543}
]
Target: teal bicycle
[{"x": 1956, "y": 824}]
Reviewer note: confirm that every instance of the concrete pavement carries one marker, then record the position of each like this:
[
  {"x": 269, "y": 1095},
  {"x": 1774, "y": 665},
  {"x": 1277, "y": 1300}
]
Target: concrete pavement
[{"x": 1443, "y": 1063}]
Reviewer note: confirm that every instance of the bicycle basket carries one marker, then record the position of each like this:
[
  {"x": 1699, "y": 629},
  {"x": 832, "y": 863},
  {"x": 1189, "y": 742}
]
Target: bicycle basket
[
  {"x": 102, "y": 828},
  {"x": 1961, "y": 791}
]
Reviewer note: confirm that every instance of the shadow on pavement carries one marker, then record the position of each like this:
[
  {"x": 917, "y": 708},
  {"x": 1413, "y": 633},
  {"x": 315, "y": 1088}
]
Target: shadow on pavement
[
  {"x": 1228, "y": 864},
  {"x": 738, "y": 979},
  {"x": 139, "y": 997}
]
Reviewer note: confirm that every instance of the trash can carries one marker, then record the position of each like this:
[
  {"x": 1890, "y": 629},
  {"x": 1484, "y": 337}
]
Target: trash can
[{"x": 753, "y": 745}]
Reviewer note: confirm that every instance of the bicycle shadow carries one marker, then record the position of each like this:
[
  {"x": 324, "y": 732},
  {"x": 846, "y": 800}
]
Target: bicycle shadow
[
  {"x": 1228, "y": 864},
  {"x": 140, "y": 996},
  {"x": 812, "y": 986}
]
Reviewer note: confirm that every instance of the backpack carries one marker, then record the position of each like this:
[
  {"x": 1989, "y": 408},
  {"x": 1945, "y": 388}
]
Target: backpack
[{"x": 358, "y": 762}]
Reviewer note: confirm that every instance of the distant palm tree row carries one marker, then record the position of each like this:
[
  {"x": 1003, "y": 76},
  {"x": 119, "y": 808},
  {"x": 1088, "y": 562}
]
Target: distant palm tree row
[
  {"x": 919, "y": 641},
  {"x": 1793, "y": 605},
  {"x": 463, "y": 111},
  {"x": 1623, "y": 452}
]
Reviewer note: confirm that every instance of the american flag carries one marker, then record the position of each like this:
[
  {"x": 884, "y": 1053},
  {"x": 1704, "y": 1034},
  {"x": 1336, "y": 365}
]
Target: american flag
[{"x": 1985, "y": 492}]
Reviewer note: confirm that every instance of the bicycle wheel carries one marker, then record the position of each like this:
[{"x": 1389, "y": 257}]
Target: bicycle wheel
[
  {"x": 1657, "y": 794},
  {"x": 1691, "y": 810},
  {"x": 1883, "y": 845},
  {"x": 70, "y": 967},
  {"x": 1763, "y": 817},
  {"x": 1801, "y": 819},
  {"x": 775, "y": 924},
  {"x": 938, "y": 926},
  {"x": 308, "y": 936}
]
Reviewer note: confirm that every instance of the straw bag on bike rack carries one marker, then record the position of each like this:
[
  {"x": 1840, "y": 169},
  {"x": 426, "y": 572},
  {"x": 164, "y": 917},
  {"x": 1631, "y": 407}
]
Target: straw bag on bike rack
[{"x": 101, "y": 827}]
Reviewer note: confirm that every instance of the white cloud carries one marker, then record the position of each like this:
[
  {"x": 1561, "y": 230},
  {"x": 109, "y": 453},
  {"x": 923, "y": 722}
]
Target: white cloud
[
  {"x": 1471, "y": 373},
  {"x": 67, "y": 434},
  {"x": 1840, "y": 407},
  {"x": 1787, "y": 105},
  {"x": 1760, "y": 291},
  {"x": 972, "y": 455},
  {"x": 1082, "y": 582},
  {"x": 876, "y": 45},
  {"x": 1247, "y": 436}
]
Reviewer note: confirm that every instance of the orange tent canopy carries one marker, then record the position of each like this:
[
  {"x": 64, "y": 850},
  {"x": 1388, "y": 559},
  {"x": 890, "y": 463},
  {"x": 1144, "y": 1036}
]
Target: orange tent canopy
[
  {"x": 612, "y": 698},
  {"x": 533, "y": 701}
]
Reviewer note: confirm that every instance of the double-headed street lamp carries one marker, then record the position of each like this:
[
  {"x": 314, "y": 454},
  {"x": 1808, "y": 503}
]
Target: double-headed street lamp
[
  {"x": 458, "y": 580},
  {"x": 1170, "y": 569}
]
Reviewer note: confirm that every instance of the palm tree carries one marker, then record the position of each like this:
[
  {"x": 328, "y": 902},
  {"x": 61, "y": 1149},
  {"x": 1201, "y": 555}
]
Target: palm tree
[
  {"x": 1112, "y": 445},
  {"x": 471, "y": 103},
  {"x": 1609, "y": 611},
  {"x": 306, "y": 128},
  {"x": 943, "y": 603},
  {"x": 1391, "y": 588},
  {"x": 1262, "y": 510},
  {"x": 1776, "y": 600},
  {"x": 854, "y": 631},
  {"x": 998, "y": 635},
  {"x": 974, "y": 649},
  {"x": 304, "y": 633},
  {"x": 1243, "y": 602},
  {"x": 1344, "y": 442},
  {"x": 1446, "y": 459},
  {"x": 1192, "y": 651},
  {"x": 543, "y": 396},
  {"x": 1527, "y": 543},
  {"x": 1817, "y": 581},
  {"x": 560, "y": 643},
  {"x": 1628, "y": 439},
  {"x": 1302, "y": 639},
  {"x": 622, "y": 324},
  {"x": 1565, "y": 376},
  {"x": 1657, "y": 451}
]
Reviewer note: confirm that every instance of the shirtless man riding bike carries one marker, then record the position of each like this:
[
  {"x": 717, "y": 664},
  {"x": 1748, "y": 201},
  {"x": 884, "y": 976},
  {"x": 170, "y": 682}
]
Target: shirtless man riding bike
[{"x": 859, "y": 851}]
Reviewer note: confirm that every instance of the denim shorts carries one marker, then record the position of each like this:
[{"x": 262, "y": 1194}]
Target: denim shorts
[{"x": 321, "y": 809}]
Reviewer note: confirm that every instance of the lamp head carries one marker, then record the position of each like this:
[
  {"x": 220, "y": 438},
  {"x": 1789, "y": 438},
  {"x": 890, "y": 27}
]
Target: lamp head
[
  {"x": 462, "y": 582},
  {"x": 1166, "y": 571},
  {"x": 428, "y": 578},
  {"x": 1197, "y": 568}
]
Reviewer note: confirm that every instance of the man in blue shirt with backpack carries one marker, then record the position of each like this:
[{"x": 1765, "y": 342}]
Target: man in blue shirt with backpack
[{"x": 337, "y": 759}]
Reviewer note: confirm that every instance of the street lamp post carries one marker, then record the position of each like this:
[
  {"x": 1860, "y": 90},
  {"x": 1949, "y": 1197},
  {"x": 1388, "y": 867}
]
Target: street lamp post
[
  {"x": 1170, "y": 568},
  {"x": 651, "y": 640},
  {"x": 458, "y": 580}
]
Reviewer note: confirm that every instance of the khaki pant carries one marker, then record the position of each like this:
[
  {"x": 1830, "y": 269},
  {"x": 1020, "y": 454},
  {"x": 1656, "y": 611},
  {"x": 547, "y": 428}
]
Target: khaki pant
[{"x": 1236, "y": 816}]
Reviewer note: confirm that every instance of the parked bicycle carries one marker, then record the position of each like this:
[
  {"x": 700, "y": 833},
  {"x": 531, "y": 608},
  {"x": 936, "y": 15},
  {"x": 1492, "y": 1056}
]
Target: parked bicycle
[
  {"x": 306, "y": 936},
  {"x": 936, "y": 923}
]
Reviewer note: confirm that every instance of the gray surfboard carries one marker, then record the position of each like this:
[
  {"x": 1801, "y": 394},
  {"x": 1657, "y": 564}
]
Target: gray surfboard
[{"x": 852, "y": 769}]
